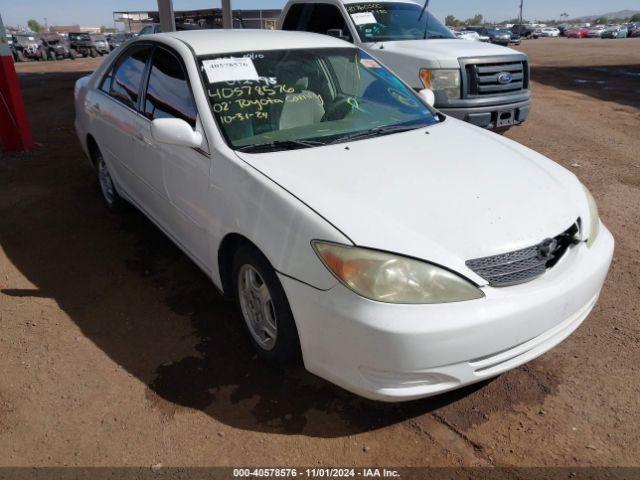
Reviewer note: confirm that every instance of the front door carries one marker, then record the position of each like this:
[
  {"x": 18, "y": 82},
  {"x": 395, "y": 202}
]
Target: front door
[{"x": 182, "y": 172}]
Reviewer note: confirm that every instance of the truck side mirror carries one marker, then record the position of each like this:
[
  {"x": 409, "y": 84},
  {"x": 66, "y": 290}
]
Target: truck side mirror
[{"x": 338, "y": 33}]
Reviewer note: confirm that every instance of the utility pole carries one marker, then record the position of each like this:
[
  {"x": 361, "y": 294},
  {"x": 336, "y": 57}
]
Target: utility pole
[
  {"x": 167, "y": 18},
  {"x": 521, "y": 6},
  {"x": 227, "y": 15}
]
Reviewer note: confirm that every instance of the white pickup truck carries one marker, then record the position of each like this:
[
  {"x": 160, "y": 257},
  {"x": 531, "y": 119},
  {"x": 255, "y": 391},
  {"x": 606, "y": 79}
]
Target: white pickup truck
[{"x": 484, "y": 84}]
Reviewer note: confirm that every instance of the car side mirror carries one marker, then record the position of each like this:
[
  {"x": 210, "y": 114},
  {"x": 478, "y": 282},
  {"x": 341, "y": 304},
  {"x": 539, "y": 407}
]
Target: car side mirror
[
  {"x": 338, "y": 33},
  {"x": 428, "y": 96},
  {"x": 175, "y": 131}
]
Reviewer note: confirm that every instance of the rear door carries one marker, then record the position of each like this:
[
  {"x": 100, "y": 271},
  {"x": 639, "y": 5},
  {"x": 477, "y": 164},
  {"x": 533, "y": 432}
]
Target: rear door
[{"x": 120, "y": 112}]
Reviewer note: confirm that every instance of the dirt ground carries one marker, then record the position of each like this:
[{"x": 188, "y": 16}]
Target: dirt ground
[{"x": 116, "y": 350}]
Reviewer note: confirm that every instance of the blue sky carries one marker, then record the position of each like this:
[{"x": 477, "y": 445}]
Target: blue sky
[{"x": 98, "y": 12}]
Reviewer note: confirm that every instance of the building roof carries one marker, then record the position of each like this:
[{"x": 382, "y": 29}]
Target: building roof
[{"x": 211, "y": 42}]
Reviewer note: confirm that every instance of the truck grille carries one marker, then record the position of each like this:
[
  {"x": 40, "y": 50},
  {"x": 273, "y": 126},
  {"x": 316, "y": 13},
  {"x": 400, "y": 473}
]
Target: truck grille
[
  {"x": 485, "y": 78},
  {"x": 523, "y": 265}
]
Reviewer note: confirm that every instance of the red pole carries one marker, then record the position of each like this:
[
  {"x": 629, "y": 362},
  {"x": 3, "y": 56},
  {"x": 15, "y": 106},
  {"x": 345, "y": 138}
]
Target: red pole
[{"x": 14, "y": 128}]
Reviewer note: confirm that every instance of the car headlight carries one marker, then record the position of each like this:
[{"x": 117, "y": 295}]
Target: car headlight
[
  {"x": 390, "y": 278},
  {"x": 440, "y": 80},
  {"x": 594, "y": 218}
]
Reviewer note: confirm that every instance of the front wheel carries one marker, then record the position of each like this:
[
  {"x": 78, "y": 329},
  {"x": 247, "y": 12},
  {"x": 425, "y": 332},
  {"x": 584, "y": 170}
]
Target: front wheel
[{"x": 265, "y": 310}]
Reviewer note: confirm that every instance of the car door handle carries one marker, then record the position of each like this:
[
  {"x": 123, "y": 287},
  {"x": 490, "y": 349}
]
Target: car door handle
[{"x": 142, "y": 139}]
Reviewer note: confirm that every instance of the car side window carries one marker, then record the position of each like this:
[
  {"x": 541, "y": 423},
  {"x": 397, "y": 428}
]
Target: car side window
[
  {"x": 127, "y": 75},
  {"x": 146, "y": 30},
  {"x": 326, "y": 17},
  {"x": 294, "y": 15},
  {"x": 105, "y": 85},
  {"x": 168, "y": 93}
]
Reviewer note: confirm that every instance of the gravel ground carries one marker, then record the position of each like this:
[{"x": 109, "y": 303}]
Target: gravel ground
[{"x": 116, "y": 350}]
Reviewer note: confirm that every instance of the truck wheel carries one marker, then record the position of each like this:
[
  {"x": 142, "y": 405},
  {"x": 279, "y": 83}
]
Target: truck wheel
[
  {"x": 43, "y": 56},
  {"x": 52, "y": 56},
  {"x": 93, "y": 53},
  {"x": 20, "y": 56},
  {"x": 264, "y": 308},
  {"x": 72, "y": 55}
]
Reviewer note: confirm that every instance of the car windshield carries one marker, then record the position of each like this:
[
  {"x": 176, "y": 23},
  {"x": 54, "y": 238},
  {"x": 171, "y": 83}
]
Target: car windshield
[
  {"x": 388, "y": 21},
  {"x": 286, "y": 99},
  {"x": 98, "y": 38}
]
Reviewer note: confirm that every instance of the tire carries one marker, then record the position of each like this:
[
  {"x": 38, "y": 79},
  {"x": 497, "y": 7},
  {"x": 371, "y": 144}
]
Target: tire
[
  {"x": 52, "y": 56},
  {"x": 264, "y": 307},
  {"x": 20, "y": 56},
  {"x": 93, "y": 53},
  {"x": 110, "y": 194},
  {"x": 43, "y": 56},
  {"x": 72, "y": 55}
]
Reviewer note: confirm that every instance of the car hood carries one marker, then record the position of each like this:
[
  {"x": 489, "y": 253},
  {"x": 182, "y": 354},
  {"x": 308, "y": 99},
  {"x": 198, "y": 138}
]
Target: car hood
[
  {"x": 444, "y": 51},
  {"x": 454, "y": 194}
]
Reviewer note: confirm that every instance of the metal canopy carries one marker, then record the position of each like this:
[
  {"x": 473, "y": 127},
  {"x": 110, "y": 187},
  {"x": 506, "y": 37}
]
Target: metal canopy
[{"x": 168, "y": 20}]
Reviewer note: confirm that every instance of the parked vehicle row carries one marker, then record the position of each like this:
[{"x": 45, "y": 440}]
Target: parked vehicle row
[
  {"x": 604, "y": 31},
  {"x": 53, "y": 46},
  {"x": 393, "y": 250}
]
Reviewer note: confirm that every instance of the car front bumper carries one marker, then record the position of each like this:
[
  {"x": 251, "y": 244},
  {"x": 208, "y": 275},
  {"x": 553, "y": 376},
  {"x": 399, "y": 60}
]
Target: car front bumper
[
  {"x": 393, "y": 352},
  {"x": 492, "y": 116}
]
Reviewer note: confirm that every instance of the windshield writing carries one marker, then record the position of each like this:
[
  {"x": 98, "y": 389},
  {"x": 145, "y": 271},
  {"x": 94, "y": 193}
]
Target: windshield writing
[{"x": 295, "y": 95}]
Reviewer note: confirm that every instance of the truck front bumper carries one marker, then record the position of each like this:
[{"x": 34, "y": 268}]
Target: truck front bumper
[{"x": 493, "y": 116}]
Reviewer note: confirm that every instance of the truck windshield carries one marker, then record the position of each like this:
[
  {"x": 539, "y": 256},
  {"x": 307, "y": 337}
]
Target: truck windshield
[
  {"x": 389, "y": 21},
  {"x": 82, "y": 37},
  {"x": 285, "y": 99}
]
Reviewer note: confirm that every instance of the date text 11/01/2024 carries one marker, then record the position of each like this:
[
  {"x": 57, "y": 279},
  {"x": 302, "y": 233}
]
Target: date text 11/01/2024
[{"x": 316, "y": 472}]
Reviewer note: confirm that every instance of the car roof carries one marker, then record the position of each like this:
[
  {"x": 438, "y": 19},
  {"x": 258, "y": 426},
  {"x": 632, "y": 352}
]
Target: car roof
[{"x": 213, "y": 42}]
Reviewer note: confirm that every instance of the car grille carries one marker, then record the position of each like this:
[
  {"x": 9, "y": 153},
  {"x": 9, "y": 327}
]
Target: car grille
[
  {"x": 483, "y": 77},
  {"x": 523, "y": 265}
]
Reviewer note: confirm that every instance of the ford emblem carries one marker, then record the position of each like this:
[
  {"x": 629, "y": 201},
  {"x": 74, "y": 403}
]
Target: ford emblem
[{"x": 504, "y": 78}]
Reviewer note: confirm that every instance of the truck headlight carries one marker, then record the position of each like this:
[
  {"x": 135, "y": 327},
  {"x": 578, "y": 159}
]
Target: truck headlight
[
  {"x": 390, "y": 278},
  {"x": 594, "y": 218},
  {"x": 441, "y": 80}
]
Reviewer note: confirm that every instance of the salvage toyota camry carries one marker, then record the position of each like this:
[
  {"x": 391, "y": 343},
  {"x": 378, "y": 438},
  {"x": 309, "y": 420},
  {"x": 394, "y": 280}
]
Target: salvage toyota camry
[{"x": 395, "y": 251}]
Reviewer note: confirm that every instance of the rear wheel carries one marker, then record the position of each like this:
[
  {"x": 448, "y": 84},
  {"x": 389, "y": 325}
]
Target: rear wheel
[
  {"x": 93, "y": 53},
  {"x": 109, "y": 193},
  {"x": 264, "y": 308}
]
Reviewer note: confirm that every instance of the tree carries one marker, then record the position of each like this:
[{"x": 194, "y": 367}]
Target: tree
[
  {"x": 451, "y": 21},
  {"x": 478, "y": 19},
  {"x": 34, "y": 26},
  {"x": 602, "y": 20},
  {"x": 635, "y": 17}
]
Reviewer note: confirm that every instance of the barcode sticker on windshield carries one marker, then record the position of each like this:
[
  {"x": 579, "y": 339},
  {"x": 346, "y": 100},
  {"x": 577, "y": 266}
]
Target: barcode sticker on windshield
[
  {"x": 364, "y": 18},
  {"x": 230, "y": 70}
]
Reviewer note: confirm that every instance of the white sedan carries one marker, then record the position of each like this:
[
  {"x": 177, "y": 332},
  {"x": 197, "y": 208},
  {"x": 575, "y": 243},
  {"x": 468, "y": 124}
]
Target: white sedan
[
  {"x": 550, "y": 32},
  {"x": 397, "y": 252}
]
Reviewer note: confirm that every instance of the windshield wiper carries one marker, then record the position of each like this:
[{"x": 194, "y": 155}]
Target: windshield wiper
[
  {"x": 280, "y": 145},
  {"x": 376, "y": 132}
]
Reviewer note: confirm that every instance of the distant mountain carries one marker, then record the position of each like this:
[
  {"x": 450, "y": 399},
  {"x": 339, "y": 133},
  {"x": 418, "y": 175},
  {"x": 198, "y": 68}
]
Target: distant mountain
[{"x": 609, "y": 15}]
